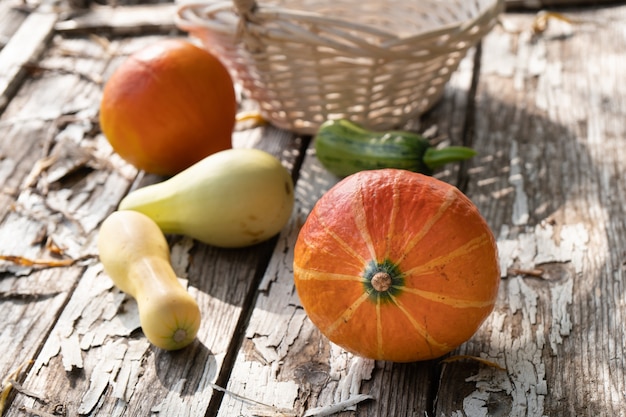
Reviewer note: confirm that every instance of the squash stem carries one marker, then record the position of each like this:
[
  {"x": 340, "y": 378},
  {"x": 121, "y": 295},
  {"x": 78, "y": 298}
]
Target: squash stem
[
  {"x": 434, "y": 158},
  {"x": 179, "y": 335}
]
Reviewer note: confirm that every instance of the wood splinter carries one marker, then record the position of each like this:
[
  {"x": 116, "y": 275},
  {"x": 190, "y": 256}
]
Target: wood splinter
[{"x": 534, "y": 272}]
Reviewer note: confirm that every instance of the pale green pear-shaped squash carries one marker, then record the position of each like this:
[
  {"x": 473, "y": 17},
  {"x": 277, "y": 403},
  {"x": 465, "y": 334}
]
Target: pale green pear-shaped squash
[{"x": 233, "y": 198}]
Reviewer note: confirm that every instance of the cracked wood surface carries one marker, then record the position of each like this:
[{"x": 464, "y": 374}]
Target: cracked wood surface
[{"x": 546, "y": 112}]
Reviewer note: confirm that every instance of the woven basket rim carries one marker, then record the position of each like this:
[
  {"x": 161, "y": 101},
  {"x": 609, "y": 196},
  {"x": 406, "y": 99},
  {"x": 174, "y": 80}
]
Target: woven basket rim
[{"x": 189, "y": 14}]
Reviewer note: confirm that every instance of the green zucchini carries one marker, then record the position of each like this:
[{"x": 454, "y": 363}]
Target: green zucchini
[{"x": 344, "y": 148}]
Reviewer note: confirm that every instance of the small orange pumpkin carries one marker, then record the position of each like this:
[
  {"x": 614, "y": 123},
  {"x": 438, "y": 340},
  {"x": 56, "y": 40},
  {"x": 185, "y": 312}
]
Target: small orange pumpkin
[
  {"x": 167, "y": 106},
  {"x": 395, "y": 265}
]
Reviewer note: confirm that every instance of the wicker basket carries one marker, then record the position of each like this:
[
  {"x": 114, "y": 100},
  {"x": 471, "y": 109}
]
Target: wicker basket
[{"x": 378, "y": 62}]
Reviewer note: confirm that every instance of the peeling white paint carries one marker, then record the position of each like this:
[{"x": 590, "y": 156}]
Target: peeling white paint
[
  {"x": 259, "y": 386},
  {"x": 475, "y": 404},
  {"x": 71, "y": 358},
  {"x": 522, "y": 298},
  {"x": 561, "y": 323},
  {"x": 522, "y": 355},
  {"x": 180, "y": 257},
  {"x": 350, "y": 371},
  {"x": 7, "y": 168},
  {"x": 102, "y": 374},
  {"x": 503, "y": 59},
  {"x": 176, "y": 404},
  {"x": 531, "y": 59},
  {"x": 520, "y": 204}
]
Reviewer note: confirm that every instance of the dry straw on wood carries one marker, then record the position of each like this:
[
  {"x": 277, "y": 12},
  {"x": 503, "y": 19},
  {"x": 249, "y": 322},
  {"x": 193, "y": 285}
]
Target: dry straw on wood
[{"x": 378, "y": 62}]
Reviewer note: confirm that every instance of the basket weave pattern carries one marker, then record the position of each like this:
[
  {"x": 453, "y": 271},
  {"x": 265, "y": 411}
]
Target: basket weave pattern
[{"x": 379, "y": 63}]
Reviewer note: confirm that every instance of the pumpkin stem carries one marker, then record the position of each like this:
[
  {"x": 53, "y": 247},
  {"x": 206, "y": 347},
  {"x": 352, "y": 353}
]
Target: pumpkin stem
[{"x": 381, "y": 281}]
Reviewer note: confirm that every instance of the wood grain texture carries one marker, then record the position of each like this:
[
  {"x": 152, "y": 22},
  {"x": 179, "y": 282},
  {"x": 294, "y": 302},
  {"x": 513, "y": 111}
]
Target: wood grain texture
[
  {"x": 25, "y": 45},
  {"x": 135, "y": 20},
  {"x": 284, "y": 361},
  {"x": 537, "y": 186},
  {"x": 82, "y": 333},
  {"x": 546, "y": 112},
  {"x": 546, "y": 115}
]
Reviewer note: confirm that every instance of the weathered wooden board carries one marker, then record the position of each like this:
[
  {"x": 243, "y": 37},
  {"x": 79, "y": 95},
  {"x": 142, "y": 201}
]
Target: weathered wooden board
[
  {"x": 546, "y": 111},
  {"x": 284, "y": 362},
  {"x": 543, "y": 118},
  {"x": 550, "y": 115},
  {"x": 24, "y": 46},
  {"x": 10, "y": 20},
  {"x": 89, "y": 356},
  {"x": 127, "y": 20},
  {"x": 39, "y": 215}
]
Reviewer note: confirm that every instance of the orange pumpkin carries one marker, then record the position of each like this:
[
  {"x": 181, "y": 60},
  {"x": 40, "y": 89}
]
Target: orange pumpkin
[
  {"x": 395, "y": 265},
  {"x": 167, "y": 106}
]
